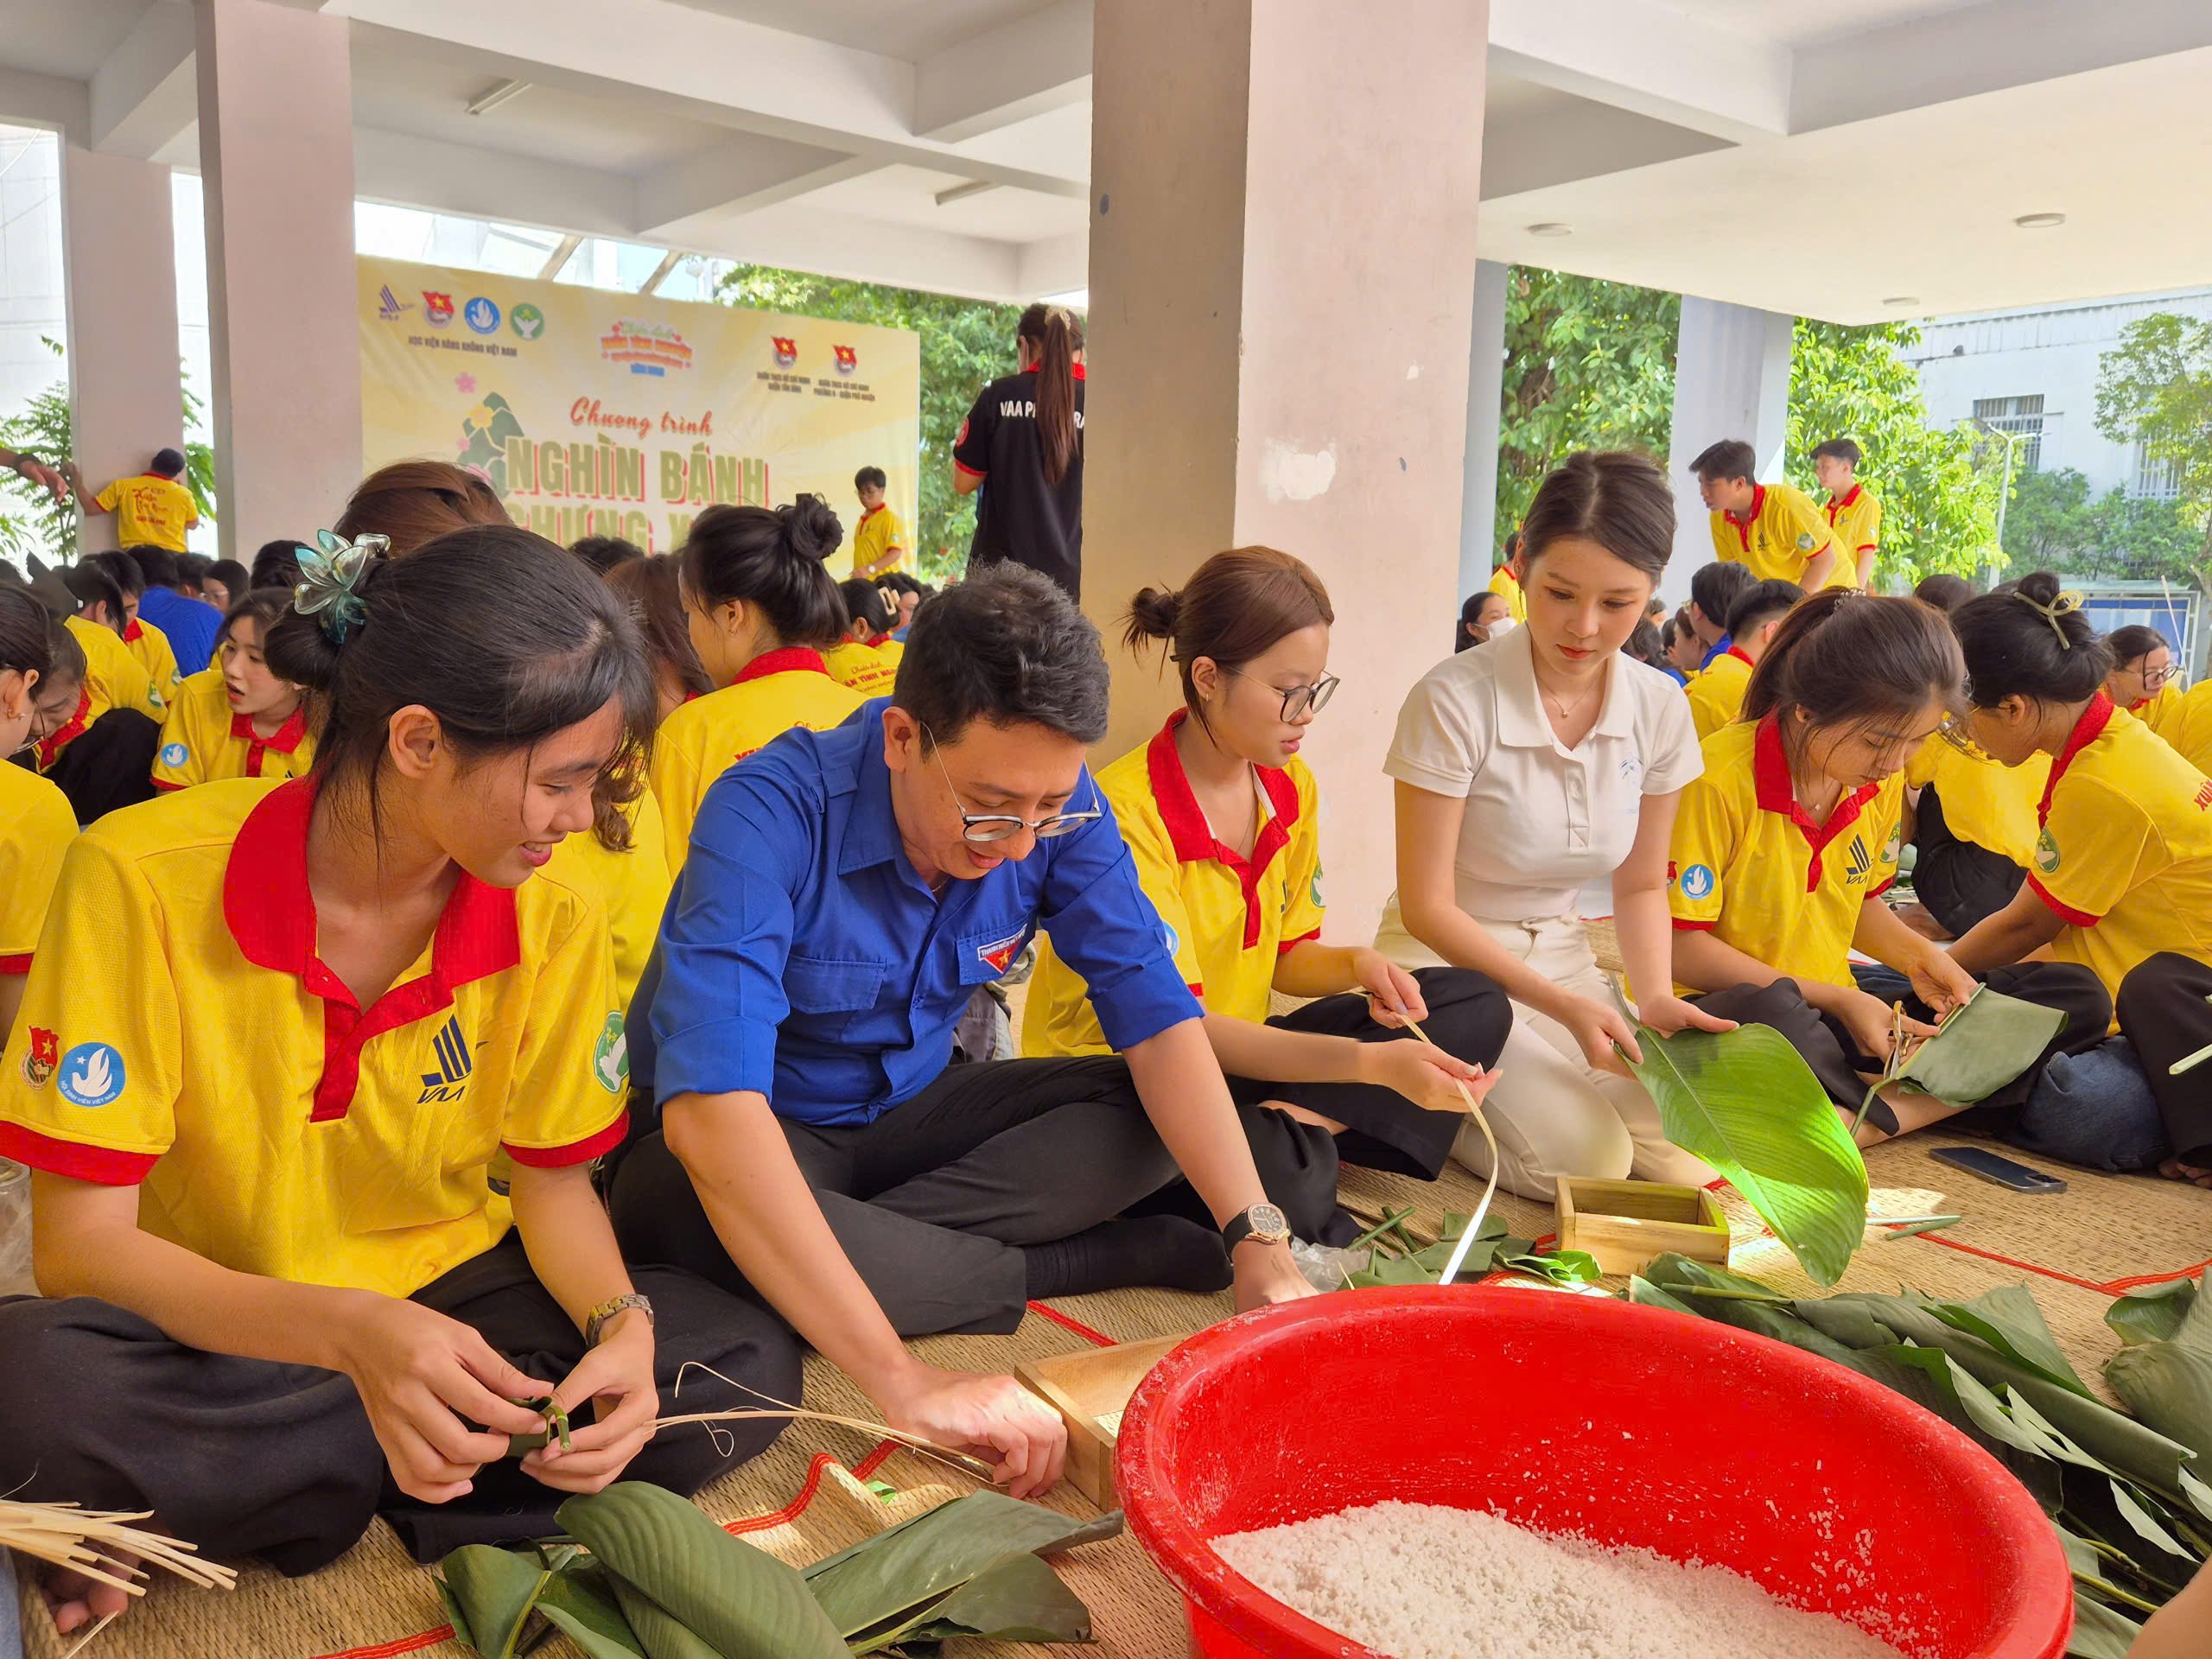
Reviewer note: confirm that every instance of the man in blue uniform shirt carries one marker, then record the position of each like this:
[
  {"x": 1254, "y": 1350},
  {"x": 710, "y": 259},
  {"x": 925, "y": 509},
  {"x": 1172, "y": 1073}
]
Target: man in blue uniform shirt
[{"x": 845, "y": 894}]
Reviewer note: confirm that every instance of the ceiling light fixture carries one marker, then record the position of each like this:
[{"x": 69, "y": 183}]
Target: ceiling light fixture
[
  {"x": 1903, "y": 300},
  {"x": 499, "y": 92},
  {"x": 2040, "y": 221},
  {"x": 1551, "y": 228}
]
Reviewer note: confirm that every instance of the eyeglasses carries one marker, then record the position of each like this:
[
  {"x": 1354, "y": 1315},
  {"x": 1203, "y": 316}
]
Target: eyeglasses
[
  {"x": 1300, "y": 700},
  {"x": 983, "y": 827},
  {"x": 2153, "y": 678}
]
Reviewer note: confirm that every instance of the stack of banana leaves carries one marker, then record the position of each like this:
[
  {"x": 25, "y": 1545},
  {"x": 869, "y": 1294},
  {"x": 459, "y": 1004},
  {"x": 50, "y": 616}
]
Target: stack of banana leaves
[
  {"x": 644, "y": 1574},
  {"x": 2129, "y": 1492}
]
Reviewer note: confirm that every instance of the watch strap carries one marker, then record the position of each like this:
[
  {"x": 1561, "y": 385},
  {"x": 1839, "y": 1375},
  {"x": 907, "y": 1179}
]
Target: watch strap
[{"x": 608, "y": 1309}]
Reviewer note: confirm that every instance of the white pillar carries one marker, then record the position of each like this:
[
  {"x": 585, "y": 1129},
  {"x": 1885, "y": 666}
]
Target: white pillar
[
  {"x": 1731, "y": 380},
  {"x": 126, "y": 398},
  {"x": 277, "y": 155},
  {"x": 1479, "y": 534},
  {"x": 1282, "y": 247}
]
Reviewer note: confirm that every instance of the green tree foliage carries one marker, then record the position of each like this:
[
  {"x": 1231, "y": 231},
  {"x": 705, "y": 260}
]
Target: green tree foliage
[
  {"x": 2054, "y": 523},
  {"x": 2155, "y": 388},
  {"x": 1937, "y": 487},
  {"x": 1589, "y": 364},
  {"x": 965, "y": 344},
  {"x": 42, "y": 525}
]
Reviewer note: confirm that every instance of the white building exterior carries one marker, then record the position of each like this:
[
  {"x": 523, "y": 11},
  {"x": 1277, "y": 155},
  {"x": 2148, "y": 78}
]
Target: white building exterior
[{"x": 2034, "y": 372}]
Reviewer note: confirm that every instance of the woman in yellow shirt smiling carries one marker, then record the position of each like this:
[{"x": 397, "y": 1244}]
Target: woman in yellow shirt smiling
[
  {"x": 2121, "y": 877},
  {"x": 281, "y": 1286},
  {"x": 1784, "y": 846}
]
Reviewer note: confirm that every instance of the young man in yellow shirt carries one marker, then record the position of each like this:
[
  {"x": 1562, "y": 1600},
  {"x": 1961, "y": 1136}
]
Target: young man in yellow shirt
[
  {"x": 1717, "y": 695},
  {"x": 1852, "y": 514},
  {"x": 1505, "y": 581},
  {"x": 153, "y": 508},
  {"x": 879, "y": 540},
  {"x": 1773, "y": 528}
]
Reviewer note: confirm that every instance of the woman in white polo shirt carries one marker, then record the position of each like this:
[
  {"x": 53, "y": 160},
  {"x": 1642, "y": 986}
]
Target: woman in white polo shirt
[{"x": 1525, "y": 769}]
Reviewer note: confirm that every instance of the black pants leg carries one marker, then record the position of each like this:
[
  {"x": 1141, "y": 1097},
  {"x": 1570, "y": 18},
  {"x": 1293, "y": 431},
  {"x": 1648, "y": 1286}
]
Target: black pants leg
[
  {"x": 1469, "y": 1017},
  {"x": 2165, "y": 1013},
  {"x": 934, "y": 1201},
  {"x": 1960, "y": 882},
  {"x": 112, "y": 765},
  {"x": 247, "y": 1456}
]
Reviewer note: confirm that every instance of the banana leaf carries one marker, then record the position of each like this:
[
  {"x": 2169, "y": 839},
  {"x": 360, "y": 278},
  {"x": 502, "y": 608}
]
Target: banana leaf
[
  {"x": 2099, "y": 1632},
  {"x": 488, "y": 1592},
  {"x": 1016, "y": 1598},
  {"x": 2158, "y": 1312},
  {"x": 901, "y": 1572},
  {"x": 741, "y": 1602},
  {"x": 2008, "y": 1320},
  {"x": 1979, "y": 1049},
  {"x": 656, "y": 1629},
  {"x": 1747, "y": 1104},
  {"x": 580, "y": 1599},
  {"x": 2170, "y": 1386}
]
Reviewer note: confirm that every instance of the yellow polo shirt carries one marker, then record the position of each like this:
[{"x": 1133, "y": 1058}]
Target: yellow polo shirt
[
  {"x": 860, "y": 665},
  {"x": 1857, "y": 521},
  {"x": 1779, "y": 537},
  {"x": 630, "y": 887},
  {"x": 2124, "y": 858},
  {"x": 774, "y": 694},
  {"x": 150, "y": 510},
  {"x": 115, "y": 677},
  {"x": 1750, "y": 867},
  {"x": 37, "y": 826},
  {"x": 1984, "y": 801},
  {"x": 202, "y": 740},
  {"x": 2161, "y": 711},
  {"x": 879, "y": 532},
  {"x": 151, "y": 647},
  {"x": 2190, "y": 730},
  {"x": 1502, "y": 583},
  {"x": 200, "y": 1050},
  {"x": 1716, "y": 695},
  {"x": 1228, "y": 918}
]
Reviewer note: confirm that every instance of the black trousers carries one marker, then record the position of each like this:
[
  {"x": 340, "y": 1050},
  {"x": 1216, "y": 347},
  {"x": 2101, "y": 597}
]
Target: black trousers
[
  {"x": 2164, "y": 1012},
  {"x": 112, "y": 765},
  {"x": 247, "y": 1456},
  {"x": 934, "y": 1202},
  {"x": 1960, "y": 882},
  {"x": 1837, "y": 1060}
]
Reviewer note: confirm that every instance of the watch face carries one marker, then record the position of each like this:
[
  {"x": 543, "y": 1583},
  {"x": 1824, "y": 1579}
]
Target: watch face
[{"x": 1268, "y": 1223}]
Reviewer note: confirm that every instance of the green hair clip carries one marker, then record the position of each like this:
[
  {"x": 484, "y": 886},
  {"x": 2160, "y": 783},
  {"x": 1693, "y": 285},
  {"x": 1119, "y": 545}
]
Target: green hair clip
[{"x": 331, "y": 575}]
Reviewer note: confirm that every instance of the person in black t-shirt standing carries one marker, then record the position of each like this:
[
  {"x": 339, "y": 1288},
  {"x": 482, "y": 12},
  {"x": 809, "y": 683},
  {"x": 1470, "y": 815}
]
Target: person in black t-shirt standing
[{"x": 1022, "y": 446}]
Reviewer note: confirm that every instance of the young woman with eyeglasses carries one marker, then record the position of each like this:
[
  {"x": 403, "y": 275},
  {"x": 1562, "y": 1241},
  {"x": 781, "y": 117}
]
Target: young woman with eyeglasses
[
  {"x": 2141, "y": 678},
  {"x": 1223, "y": 819}
]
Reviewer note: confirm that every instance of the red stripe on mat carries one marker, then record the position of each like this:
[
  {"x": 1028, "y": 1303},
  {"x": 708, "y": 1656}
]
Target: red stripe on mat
[
  {"x": 861, "y": 1471},
  {"x": 2121, "y": 1286},
  {"x": 1097, "y": 1339}
]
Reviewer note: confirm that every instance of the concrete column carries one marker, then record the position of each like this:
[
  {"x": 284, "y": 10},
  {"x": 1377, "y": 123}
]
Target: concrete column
[
  {"x": 277, "y": 155},
  {"x": 1731, "y": 380},
  {"x": 126, "y": 398},
  {"x": 1282, "y": 247},
  {"x": 1479, "y": 532}
]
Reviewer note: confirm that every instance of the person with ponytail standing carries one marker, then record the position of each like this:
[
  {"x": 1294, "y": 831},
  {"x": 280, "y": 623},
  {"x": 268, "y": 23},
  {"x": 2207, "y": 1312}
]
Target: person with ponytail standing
[
  {"x": 1784, "y": 846},
  {"x": 1223, "y": 819},
  {"x": 281, "y": 1293},
  {"x": 35, "y": 820},
  {"x": 763, "y": 610},
  {"x": 2121, "y": 881},
  {"x": 1021, "y": 445},
  {"x": 236, "y": 719}
]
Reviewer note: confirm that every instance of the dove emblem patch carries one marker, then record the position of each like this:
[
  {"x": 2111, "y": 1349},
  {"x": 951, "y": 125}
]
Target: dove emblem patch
[
  {"x": 611, "y": 1057},
  {"x": 91, "y": 1074}
]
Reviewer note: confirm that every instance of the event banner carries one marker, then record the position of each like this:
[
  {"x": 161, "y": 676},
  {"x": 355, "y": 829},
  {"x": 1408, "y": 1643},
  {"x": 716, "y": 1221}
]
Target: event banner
[{"x": 598, "y": 413}]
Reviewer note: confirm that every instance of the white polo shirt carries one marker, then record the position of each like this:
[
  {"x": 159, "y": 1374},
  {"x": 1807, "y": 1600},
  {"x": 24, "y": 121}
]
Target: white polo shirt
[{"x": 1541, "y": 820}]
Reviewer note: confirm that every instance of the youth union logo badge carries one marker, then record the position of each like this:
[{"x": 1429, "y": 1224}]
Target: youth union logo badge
[
  {"x": 1696, "y": 882},
  {"x": 2046, "y": 852},
  {"x": 610, "y": 1059},
  {"x": 174, "y": 754},
  {"x": 41, "y": 1057},
  {"x": 91, "y": 1074}
]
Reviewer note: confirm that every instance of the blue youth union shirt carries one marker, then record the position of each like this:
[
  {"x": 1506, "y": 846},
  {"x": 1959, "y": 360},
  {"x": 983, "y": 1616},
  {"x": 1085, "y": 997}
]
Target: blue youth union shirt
[{"x": 801, "y": 957}]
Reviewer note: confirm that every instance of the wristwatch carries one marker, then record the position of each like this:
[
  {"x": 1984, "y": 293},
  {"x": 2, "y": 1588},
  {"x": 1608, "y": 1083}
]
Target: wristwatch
[
  {"x": 1262, "y": 1222},
  {"x": 608, "y": 1309}
]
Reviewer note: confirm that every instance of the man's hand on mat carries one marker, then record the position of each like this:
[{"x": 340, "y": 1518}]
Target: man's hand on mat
[
  {"x": 1266, "y": 1274},
  {"x": 1391, "y": 991},
  {"x": 1941, "y": 982},
  {"x": 1597, "y": 1029},
  {"x": 1427, "y": 1077},
  {"x": 420, "y": 1374},
  {"x": 617, "y": 1378},
  {"x": 992, "y": 1418},
  {"x": 1872, "y": 1024},
  {"x": 1668, "y": 1014}
]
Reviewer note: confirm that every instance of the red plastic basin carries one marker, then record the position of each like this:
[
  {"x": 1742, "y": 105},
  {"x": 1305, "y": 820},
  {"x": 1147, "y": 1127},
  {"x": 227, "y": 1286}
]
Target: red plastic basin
[{"x": 1629, "y": 1425}]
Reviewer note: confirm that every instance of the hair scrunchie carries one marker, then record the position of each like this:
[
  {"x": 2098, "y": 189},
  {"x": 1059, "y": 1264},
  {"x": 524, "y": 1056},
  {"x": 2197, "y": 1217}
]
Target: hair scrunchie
[{"x": 331, "y": 575}]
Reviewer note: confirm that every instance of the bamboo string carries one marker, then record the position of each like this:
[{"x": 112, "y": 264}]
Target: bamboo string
[
  {"x": 85, "y": 1640},
  {"x": 1490, "y": 1187},
  {"x": 785, "y": 1411}
]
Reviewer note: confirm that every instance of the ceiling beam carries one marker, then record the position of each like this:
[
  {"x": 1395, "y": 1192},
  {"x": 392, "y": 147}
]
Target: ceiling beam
[
  {"x": 1035, "y": 64},
  {"x": 563, "y": 251},
  {"x": 145, "y": 91},
  {"x": 1648, "y": 58},
  {"x": 742, "y": 175},
  {"x": 28, "y": 100},
  {"x": 449, "y": 178}
]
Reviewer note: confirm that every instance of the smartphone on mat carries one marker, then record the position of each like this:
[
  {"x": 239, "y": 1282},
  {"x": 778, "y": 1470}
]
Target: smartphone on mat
[{"x": 2003, "y": 1171}]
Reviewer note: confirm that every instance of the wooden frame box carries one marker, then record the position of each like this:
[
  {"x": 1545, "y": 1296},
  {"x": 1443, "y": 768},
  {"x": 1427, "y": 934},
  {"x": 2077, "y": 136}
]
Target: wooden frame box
[
  {"x": 1086, "y": 1387},
  {"x": 1625, "y": 1223}
]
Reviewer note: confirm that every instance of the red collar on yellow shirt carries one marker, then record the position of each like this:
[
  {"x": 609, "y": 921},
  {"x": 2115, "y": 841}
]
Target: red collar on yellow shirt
[
  {"x": 1770, "y": 773},
  {"x": 1837, "y": 505},
  {"x": 790, "y": 659},
  {"x": 1194, "y": 837},
  {"x": 1743, "y": 525},
  {"x": 2087, "y": 730}
]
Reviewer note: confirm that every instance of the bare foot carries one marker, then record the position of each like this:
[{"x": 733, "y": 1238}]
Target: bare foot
[
  {"x": 2174, "y": 1170},
  {"x": 76, "y": 1601}
]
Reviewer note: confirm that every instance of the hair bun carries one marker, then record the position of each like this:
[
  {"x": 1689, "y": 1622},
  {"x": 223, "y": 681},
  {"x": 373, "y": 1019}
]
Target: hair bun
[
  {"x": 1152, "y": 613},
  {"x": 2041, "y": 586},
  {"x": 810, "y": 529}
]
